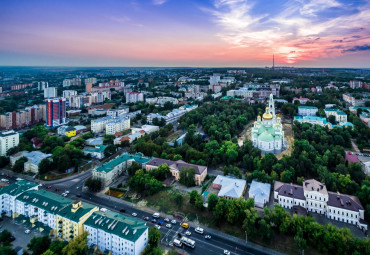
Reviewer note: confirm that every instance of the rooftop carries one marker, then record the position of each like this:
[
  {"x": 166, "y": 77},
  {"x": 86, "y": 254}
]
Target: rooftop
[
  {"x": 7, "y": 133},
  {"x": 313, "y": 185},
  {"x": 350, "y": 157},
  {"x": 125, "y": 227},
  {"x": 176, "y": 164},
  {"x": 230, "y": 186},
  {"x": 17, "y": 188},
  {"x": 260, "y": 191},
  {"x": 107, "y": 167},
  {"x": 307, "y": 107},
  {"x": 81, "y": 209}
]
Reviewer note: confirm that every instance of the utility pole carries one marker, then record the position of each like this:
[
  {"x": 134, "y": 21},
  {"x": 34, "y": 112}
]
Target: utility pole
[{"x": 246, "y": 237}]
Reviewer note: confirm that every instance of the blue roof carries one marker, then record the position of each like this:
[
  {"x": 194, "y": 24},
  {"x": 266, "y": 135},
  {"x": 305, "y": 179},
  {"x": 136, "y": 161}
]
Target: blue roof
[{"x": 260, "y": 192}]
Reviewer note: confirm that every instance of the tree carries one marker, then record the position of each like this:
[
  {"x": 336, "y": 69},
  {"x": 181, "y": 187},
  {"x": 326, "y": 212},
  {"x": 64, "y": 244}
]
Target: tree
[
  {"x": 4, "y": 161},
  {"x": 331, "y": 119},
  {"x": 57, "y": 246},
  {"x": 18, "y": 166},
  {"x": 187, "y": 176},
  {"x": 5, "y": 237},
  {"x": 179, "y": 199},
  {"x": 249, "y": 224},
  {"x": 133, "y": 168},
  {"x": 212, "y": 201},
  {"x": 300, "y": 241},
  {"x": 199, "y": 202},
  {"x": 77, "y": 246},
  {"x": 45, "y": 166},
  {"x": 264, "y": 229},
  {"x": 94, "y": 185},
  {"x": 38, "y": 245},
  {"x": 7, "y": 250},
  {"x": 110, "y": 150},
  {"x": 154, "y": 237},
  {"x": 193, "y": 196},
  {"x": 108, "y": 139}
]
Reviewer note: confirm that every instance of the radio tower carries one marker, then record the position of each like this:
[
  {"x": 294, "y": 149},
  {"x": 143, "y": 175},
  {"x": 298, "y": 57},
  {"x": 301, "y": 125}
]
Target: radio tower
[{"x": 273, "y": 62}]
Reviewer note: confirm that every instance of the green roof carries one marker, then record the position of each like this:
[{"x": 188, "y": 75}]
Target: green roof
[
  {"x": 125, "y": 227},
  {"x": 341, "y": 113},
  {"x": 331, "y": 110},
  {"x": 67, "y": 213},
  {"x": 17, "y": 188},
  {"x": 266, "y": 137},
  {"x": 70, "y": 129},
  {"x": 107, "y": 167},
  {"x": 45, "y": 200},
  {"x": 307, "y": 107},
  {"x": 97, "y": 148}
]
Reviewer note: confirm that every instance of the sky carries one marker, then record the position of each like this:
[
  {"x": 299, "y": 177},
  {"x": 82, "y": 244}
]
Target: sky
[{"x": 175, "y": 33}]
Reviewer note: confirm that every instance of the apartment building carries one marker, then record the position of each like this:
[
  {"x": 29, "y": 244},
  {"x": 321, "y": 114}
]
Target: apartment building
[
  {"x": 110, "y": 124},
  {"x": 134, "y": 97},
  {"x": 20, "y": 119},
  {"x": 307, "y": 110},
  {"x": 173, "y": 116},
  {"x": 92, "y": 80},
  {"x": 9, "y": 193},
  {"x": 72, "y": 82},
  {"x": 55, "y": 112},
  {"x": 41, "y": 85},
  {"x": 110, "y": 170},
  {"x": 177, "y": 166},
  {"x": 69, "y": 93},
  {"x": 314, "y": 197},
  {"x": 162, "y": 100},
  {"x": 356, "y": 84},
  {"x": 339, "y": 115},
  {"x": 33, "y": 160},
  {"x": 50, "y": 92},
  {"x": 116, "y": 233},
  {"x": 118, "y": 112},
  {"x": 8, "y": 140}
]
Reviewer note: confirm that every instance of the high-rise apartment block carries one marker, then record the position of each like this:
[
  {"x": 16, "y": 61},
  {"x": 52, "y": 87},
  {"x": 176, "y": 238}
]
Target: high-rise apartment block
[
  {"x": 50, "y": 92},
  {"x": 92, "y": 80},
  {"x": 55, "y": 112},
  {"x": 69, "y": 93},
  {"x": 134, "y": 97},
  {"x": 8, "y": 140},
  {"x": 72, "y": 82},
  {"x": 41, "y": 85},
  {"x": 23, "y": 118}
]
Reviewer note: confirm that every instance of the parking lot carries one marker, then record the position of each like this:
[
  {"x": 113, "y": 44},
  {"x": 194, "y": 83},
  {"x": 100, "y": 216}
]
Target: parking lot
[{"x": 17, "y": 231}]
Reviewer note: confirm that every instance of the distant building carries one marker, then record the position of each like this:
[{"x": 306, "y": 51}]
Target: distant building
[
  {"x": 260, "y": 192},
  {"x": 72, "y": 82},
  {"x": 8, "y": 140},
  {"x": 94, "y": 141},
  {"x": 356, "y": 84},
  {"x": 92, "y": 80},
  {"x": 314, "y": 197},
  {"x": 95, "y": 152},
  {"x": 33, "y": 160},
  {"x": 301, "y": 100},
  {"x": 117, "y": 233},
  {"x": 352, "y": 158},
  {"x": 110, "y": 125},
  {"x": 55, "y": 112},
  {"x": 118, "y": 112},
  {"x": 176, "y": 166},
  {"x": 230, "y": 187},
  {"x": 50, "y": 92},
  {"x": 134, "y": 97},
  {"x": 365, "y": 117},
  {"x": 339, "y": 115},
  {"x": 69, "y": 93},
  {"x": 41, "y": 85},
  {"x": 173, "y": 116},
  {"x": 88, "y": 87},
  {"x": 307, "y": 110}
]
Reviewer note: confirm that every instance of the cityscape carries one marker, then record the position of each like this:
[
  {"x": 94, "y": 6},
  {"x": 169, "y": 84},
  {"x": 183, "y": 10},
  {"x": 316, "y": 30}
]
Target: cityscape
[{"x": 149, "y": 127}]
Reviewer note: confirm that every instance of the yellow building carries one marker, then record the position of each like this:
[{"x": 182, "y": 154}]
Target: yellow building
[
  {"x": 70, "y": 132},
  {"x": 70, "y": 219}
]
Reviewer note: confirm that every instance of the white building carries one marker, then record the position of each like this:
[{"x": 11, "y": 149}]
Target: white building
[
  {"x": 8, "y": 140},
  {"x": 69, "y": 93},
  {"x": 117, "y": 233},
  {"x": 214, "y": 80},
  {"x": 260, "y": 192},
  {"x": 307, "y": 110},
  {"x": 230, "y": 187},
  {"x": 314, "y": 197},
  {"x": 118, "y": 112},
  {"x": 41, "y": 85},
  {"x": 147, "y": 129},
  {"x": 134, "y": 97},
  {"x": 173, "y": 116},
  {"x": 242, "y": 92},
  {"x": 110, "y": 124},
  {"x": 339, "y": 115},
  {"x": 92, "y": 80},
  {"x": 50, "y": 92},
  {"x": 9, "y": 193},
  {"x": 33, "y": 160},
  {"x": 267, "y": 132}
]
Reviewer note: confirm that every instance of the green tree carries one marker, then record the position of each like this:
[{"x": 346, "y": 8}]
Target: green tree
[
  {"x": 133, "y": 168},
  {"x": 212, "y": 201},
  {"x": 264, "y": 229},
  {"x": 198, "y": 202},
  {"x": 94, "y": 185},
  {"x": 110, "y": 150},
  {"x": 187, "y": 176},
  {"x": 154, "y": 237},
  {"x": 179, "y": 199},
  {"x": 57, "y": 246},
  {"x": 5, "y": 237},
  {"x": 108, "y": 139},
  {"x": 4, "y": 161},
  {"x": 331, "y": 119},
  {"x": 45, "y": 166},
  {"x": 77, "y": 246},
  {"x": 193, "y": 196},
  {"x": 18, "y": 166},
  {"x": 38, "y": 245},
  {"x": 7, "y": 250},
  {"x": 300, "y": 241},
  {"x": 249, "y": 224}
]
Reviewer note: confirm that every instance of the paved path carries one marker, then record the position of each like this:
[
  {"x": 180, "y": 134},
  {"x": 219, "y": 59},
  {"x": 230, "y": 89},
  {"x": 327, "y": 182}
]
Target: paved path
[{"x": 355, "y": 147}]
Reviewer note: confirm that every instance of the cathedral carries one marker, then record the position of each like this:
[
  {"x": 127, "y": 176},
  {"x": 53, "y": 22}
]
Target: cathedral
[{"x": 267, "y": 132}]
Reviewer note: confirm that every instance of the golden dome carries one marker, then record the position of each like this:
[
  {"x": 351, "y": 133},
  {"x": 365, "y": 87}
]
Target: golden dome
[
  {"x": 255, "y": 122},
  {"x": 267, "y": 116},
  {"x": 277, "y": 124},
  {"x": 278, "y": 118},
  {"x": 267, "y": 108}
]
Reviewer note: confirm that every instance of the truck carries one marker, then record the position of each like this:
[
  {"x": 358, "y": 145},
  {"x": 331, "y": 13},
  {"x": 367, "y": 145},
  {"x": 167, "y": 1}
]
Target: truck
[{"x": 188, "y": 242}]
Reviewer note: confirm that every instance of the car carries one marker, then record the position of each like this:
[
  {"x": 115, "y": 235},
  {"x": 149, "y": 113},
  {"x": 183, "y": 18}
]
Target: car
[
  {"x": 57, "y": 189},
  {"x": 134, "y": 214},
  {"x": 167, "y": 220},
  {"x": 103, "y": 209},
  {"x": 185, "y": 225},
  {"x": 168, "y": 226},
  {"x": 27, "y": 231},
  {"x": 154, "y": 220},
  {"x": 64, "y": 194},
  {"x": 199, "y": 230},
  {"x": 226, "y": 252},
  {"x": 157, "y": 227},
  {"x": 173, "y": 221},
  {"x": 67, "y": 192},
  {"x": 188, "y": 233},
  {"x": 207, "y": 237},
  {"x": 122, "y": 210},
  {"x": 156, "y": 215},
  {"x": 78, "y": 195},
  {"x": 48, "y": 187},
  {"x": 146, "y": 218},
  {"x": 160, "y": 223},
  {"x": 179, "y": 234}
]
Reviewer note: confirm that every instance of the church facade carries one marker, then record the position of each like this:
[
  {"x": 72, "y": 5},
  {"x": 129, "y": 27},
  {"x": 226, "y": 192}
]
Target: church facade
[{"x": 267, "y": 132}]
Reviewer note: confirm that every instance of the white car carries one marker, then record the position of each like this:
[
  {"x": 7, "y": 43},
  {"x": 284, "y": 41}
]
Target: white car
[
  {"x": 64, "y": 194},
  {"x": 199, "y": 230},
  {"x": 103, "y": 209},
  {"x": 67, "y": 192},
  {"x": 188, "y": 233},
  {"x": 157, "y": 227},
  {"x": 156, "y": 215},
  {"x": 134, "y": 214},
  {"x": 173, "y": 221},
  {"x": 168, "y": 226},
  {"x": 27, "y": 231},
  {"x": 207, "y": 237},
  {"x": 226, "y": 252},
  {"x": 167, "y": 220}
]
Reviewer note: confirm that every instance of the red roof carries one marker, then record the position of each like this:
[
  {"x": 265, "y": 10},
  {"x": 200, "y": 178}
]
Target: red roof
[{"x": 350, "y": 157}]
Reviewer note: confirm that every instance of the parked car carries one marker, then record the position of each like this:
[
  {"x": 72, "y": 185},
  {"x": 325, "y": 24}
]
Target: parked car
[
  {"x": 160, "y": 223},
  {"x": 167, "y": 220},
  {"x": 78, "y": 195},
  {"x": 173, "y": 221},
  {"x": 57, "y": 189},
  {"x": 154, "y": 220},
  {"x": 207, "y": 237},
  {"x": 64, "y": 194},
  {"x": 226, "y": 252},
  {"x": 27, "y": 231},
  {"x": 156, "y": 215},
  {"x": 168, "y": 226},
  {"x": 134, "y": 214},
  {"x": 48, "y": 187},
  {"x": 146, "y": 218},
  {"x": 188, "y": 233},
  {"x": 157, "y": 227},
  {"x": 103, "y": 209}
]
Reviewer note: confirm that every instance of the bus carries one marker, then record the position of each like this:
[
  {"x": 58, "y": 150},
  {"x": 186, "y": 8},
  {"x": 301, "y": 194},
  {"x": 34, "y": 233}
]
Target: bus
[{"x": 188, "y": 242}]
